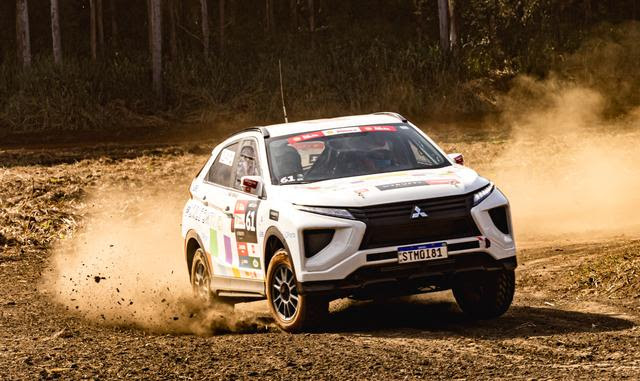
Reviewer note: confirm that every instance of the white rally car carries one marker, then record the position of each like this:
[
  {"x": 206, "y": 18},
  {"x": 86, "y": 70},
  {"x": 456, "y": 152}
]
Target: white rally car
[{"x": 361, "y": 206}]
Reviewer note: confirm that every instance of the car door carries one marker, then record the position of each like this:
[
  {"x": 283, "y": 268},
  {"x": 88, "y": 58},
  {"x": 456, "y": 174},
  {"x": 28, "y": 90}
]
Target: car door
[
  {"x": 217, "y": 196},
  {"x": 245, "y": 213}
]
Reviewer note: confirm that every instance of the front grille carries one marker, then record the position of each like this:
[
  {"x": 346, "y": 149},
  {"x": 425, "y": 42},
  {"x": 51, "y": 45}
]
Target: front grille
[{"x": 392, "y": 225}]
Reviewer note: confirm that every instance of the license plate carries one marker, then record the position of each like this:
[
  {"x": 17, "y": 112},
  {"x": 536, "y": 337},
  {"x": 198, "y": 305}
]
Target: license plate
[{"x": 426, "y": 252}]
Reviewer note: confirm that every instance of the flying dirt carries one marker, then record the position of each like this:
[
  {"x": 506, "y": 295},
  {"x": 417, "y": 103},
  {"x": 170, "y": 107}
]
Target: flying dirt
[{"x": 125, "y": 268}]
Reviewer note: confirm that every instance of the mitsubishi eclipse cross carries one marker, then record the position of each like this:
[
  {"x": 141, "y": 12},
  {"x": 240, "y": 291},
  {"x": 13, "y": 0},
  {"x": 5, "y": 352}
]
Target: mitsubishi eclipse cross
[{"x": 362, "y": 207}]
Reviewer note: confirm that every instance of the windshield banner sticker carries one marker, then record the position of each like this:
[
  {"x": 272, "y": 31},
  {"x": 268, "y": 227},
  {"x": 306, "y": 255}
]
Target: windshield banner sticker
[{"x": 340, "y": 131}]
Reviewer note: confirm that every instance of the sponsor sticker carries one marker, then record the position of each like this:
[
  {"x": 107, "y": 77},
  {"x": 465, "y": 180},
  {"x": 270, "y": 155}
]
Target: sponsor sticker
[
  {"x": 274, "y": 215},
  {"x": 227, "y": 156},
  {"x": 417, "y": 183},
  {"x": 247, "y": 256},
  {"x": 245, "y": 218},
  {"x": 404, "y": 184},
  {"x": 361, "y": 192},
  {"x": 339, "y": 131}
]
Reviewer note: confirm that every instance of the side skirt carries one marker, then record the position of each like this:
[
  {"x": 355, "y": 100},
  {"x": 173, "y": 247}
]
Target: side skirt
[{"x": 235, "y": 287}]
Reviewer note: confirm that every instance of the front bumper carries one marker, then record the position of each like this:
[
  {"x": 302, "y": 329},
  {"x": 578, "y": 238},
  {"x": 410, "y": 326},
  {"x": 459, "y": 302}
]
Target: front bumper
[
  {"x": 403, "y": 279},
  {"x": 344, "y": 257}
]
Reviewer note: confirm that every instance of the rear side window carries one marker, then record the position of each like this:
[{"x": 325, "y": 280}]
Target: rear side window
[{"x": 222, "y": 169}]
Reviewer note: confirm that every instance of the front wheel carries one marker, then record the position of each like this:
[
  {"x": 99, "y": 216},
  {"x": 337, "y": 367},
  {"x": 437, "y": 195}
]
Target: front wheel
[
  {"x": 292, "y": 311},
  {"x": 485, "y": 295}
]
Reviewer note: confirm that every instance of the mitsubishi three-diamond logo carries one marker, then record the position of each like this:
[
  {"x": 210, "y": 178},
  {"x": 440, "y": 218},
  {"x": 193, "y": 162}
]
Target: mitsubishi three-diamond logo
[{"x": 417, "y": 213}]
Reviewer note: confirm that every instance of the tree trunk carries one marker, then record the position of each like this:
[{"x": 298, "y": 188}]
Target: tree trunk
[
  {"x": 156, "y": 46},
  {"x": 205, "y": 27},
  {"x": 453, "y": 25},
  {"x": 232, "y": 10},
  {"x": 100, "y": 24},
  {"x": 55, "y": 33},
  {"x": 23, "y": 34},
  {"x": 221, "y": 20},
  {"x": 114, "y": 24},
  {"x": 312, "y": 16},
  {"x": 270, "y": 22},
  {"x": 150, "y": 25},
  {"x": 443, "y": 16},
  {"x": 293, "y": 14},
  {"x": 93, "y": 33},
  {"x": 173, "y": 35}
]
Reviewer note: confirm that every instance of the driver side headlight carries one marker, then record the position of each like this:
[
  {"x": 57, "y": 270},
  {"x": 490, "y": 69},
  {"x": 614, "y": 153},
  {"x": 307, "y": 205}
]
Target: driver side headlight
[
  {"x": 332, "y": 212},
  {"x": 483, "y": 193}
]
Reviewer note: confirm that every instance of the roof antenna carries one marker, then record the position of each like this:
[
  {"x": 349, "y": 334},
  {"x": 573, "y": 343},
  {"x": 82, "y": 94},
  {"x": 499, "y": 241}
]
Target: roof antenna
[{"x": 284, "y": 108}]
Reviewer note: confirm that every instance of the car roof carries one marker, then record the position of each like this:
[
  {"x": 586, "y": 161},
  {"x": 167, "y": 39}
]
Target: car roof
[{"x": 305, "y": 126}]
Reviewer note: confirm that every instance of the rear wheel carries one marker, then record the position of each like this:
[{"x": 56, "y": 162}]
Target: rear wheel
[
  {"x": 201, "y": 281},
  {"x": 485, "y": 295},
  {"x": 292, "y": 311},
  {"x": 201, "y": 277}
]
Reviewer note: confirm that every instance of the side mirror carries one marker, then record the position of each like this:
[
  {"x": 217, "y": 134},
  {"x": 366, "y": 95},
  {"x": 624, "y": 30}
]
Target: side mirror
[
  {"x": 252, "y": 185},
  {"x": 456, "y": 158}
]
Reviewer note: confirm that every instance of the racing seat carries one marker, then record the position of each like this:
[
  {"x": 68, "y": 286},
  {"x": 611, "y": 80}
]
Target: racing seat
[{"x": 287, "y": 162}]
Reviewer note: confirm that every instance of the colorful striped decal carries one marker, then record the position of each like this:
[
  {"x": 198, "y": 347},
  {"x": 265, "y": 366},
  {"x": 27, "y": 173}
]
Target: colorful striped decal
[
  {"x": 227, "y": 250},
  {"x": 213, "y": 243}
]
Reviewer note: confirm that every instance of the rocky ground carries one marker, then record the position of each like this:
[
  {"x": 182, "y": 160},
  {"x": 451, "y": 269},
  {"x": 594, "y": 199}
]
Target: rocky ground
[{"x": 575, "y": 315}]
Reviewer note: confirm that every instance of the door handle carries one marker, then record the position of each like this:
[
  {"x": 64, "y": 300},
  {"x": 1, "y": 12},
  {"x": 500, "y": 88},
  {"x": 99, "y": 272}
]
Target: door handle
[
  {"x": 204, "y": 201},
  {"x": 228, "y": 212}
]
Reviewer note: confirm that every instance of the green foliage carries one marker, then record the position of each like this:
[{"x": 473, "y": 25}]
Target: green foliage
[{"x": 365, "y": 56}]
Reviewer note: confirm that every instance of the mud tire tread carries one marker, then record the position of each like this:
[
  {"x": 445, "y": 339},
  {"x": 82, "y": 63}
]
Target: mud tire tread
[
  {"x": 312, "y": 310},
  {"x": 496, "y": 298}
]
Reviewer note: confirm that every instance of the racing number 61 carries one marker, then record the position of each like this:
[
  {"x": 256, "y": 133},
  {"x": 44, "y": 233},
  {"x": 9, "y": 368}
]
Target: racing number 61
[{"x": 250, "y": 221}]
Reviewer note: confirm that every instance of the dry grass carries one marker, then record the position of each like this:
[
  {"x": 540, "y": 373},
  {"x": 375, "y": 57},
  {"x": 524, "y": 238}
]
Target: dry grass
[
  {"x": 40, "y": 204},
  {"x": 613, "y": 274}
]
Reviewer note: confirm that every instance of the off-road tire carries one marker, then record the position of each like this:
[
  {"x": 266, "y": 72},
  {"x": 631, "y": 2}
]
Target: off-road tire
[
  {"x": 485, "y": 295},
  {"x": 310, "y": 312},
  {"x": 207, "y": 297}
]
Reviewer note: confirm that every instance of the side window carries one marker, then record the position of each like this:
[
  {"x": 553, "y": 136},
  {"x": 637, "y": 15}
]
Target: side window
[
  {"x": 222, "y": 169},
  {"x": 247, "y": 164}
]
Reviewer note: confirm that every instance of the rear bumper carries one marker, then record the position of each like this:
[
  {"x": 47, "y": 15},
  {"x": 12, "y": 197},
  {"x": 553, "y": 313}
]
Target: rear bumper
[{"x": 401, "y": 279}]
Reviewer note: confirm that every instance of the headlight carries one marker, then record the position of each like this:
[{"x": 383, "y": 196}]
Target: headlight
[
  {"x": 482, "y": 194},
  {"x": 333, "y": 212}
]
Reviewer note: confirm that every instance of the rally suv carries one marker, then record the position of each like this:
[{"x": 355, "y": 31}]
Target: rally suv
[{"x": 363, "y": 207}]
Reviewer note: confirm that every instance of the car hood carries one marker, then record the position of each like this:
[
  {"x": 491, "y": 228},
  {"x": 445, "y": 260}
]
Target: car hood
[{"x": 384, "y": 187}]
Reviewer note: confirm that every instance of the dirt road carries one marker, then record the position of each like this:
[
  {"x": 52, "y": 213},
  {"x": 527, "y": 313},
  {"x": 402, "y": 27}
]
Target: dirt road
[{"x": 574, "y": 317}]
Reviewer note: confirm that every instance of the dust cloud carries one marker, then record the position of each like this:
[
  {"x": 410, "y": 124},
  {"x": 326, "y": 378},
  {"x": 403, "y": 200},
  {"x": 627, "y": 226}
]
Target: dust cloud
[
  {"x": 570, "y": 168},
  {"x": 126, "y": 267}
]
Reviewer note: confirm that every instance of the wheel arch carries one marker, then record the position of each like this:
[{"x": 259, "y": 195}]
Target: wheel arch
[
  {"x": 191, "y": 243},
  {"x": 273, "y": 240}
]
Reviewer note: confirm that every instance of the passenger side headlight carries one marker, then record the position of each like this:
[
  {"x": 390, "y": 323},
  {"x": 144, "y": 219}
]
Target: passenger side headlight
[
  {"x": 332, "y": 212},
  {"x": 483, "y": 193}
]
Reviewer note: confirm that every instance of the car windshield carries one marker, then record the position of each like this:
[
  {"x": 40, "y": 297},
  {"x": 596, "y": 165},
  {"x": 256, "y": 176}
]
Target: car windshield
[{"x": 350, "y": 151}]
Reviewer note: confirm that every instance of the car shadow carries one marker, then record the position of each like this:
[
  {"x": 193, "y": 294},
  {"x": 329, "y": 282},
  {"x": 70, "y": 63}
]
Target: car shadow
[{"x": 395, "y": 317}]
